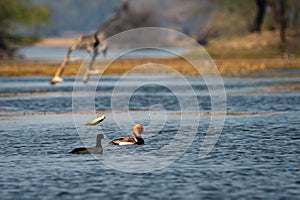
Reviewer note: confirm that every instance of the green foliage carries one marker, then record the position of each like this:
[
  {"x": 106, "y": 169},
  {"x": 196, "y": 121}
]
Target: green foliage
[
  {"x": 22, "y": 12},
  {"x": 19, "y": 17}
]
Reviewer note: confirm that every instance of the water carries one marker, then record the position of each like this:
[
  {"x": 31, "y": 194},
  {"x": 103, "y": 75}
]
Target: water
[
  {"x": 59, "y": 53},
  {"x": 257, "y": 155}
]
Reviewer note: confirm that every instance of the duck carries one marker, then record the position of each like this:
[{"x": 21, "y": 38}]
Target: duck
[
  {"x": 91, "y": 150},
  {"x": 137, "y": 140}
]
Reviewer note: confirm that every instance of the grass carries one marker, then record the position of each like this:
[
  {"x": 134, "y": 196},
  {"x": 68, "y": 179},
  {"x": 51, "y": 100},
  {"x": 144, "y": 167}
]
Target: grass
[
  {"x": 263, "y": 45},
  {"x": 116, "y": 68},
  {"x": 230, "y": 67}
]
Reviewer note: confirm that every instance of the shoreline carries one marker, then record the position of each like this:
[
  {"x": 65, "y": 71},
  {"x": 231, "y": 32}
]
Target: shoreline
[
  {"x": 228, "y": 67},
  {"x": 56, "y": 42},
  {"x": 253, "y": 55}
]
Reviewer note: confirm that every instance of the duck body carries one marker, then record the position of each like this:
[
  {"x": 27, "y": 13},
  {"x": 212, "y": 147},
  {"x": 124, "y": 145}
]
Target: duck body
[
  {"x": 137, "y": 140},
  {"x": 84, "y": 150},
  {"x": 91, "y": 150},
  {"x": 128, "y": 141}
]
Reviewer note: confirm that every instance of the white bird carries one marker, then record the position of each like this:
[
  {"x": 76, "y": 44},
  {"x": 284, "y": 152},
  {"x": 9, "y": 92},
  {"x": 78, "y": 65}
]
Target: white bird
[{"x": 96, "y": 121}]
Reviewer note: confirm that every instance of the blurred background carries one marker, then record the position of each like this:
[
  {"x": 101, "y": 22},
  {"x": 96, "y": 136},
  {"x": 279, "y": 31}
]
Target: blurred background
[{"x": 219, "y": 23}]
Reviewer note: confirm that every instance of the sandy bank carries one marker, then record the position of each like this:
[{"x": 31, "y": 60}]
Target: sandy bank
[{"x": 233, "y": 67}]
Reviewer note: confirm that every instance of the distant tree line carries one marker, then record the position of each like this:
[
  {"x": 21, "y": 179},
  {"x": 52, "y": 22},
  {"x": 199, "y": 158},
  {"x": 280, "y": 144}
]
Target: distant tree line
[
  {"x": 235, "y": 17},
  {"x": 22, "y": 20},
  {"x": 281, "y": 9}
]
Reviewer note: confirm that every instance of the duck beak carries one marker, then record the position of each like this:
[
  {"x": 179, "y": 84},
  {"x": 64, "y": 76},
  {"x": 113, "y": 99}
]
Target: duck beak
[{"x": 144, "y": 132}]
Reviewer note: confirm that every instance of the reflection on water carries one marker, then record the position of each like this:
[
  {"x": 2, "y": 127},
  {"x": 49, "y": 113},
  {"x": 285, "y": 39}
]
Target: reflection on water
[
  {"x": 58, "y": 53},
  {"x": 257, "y": 155}
]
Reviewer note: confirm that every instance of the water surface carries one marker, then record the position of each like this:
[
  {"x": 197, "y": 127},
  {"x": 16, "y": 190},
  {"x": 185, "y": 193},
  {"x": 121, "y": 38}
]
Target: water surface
[{"x": 256, "y": 156}]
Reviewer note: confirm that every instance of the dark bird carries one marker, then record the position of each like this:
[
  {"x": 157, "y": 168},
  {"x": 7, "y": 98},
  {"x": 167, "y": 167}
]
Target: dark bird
[
  {"x": 91, "y": 150},
  {"x": 138, "y": 140}
]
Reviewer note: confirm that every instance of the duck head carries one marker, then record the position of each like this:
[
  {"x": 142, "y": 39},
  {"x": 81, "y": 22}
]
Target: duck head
[
  {"x": 100, "y": 136},
  {"x": 138, "y": 129}
]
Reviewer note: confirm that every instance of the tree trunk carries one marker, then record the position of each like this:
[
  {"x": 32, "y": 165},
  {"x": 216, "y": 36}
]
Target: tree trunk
[
  {"x": 261, "y": 10},
  {"x": 279, "y": 10},
  {"x": 282, "y": 20}
]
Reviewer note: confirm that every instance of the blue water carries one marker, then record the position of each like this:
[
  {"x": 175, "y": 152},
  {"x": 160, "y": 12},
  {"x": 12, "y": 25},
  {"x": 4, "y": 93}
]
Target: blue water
[
  {"x": 58, "y": 53},
  {"x": 257, "y": 155}
]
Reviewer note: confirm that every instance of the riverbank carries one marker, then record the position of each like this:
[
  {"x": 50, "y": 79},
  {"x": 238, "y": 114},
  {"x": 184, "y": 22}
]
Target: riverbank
[
  {"x": 228, "y": 67},
  {"x": 251, "y": 55}
]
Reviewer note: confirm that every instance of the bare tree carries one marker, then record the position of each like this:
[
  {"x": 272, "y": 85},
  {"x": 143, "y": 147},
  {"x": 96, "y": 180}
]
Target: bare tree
[
  {"x": 279, "y": 8},
  {"x": 260, "y": 13},
  {"x": 93, "y": 43}
]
